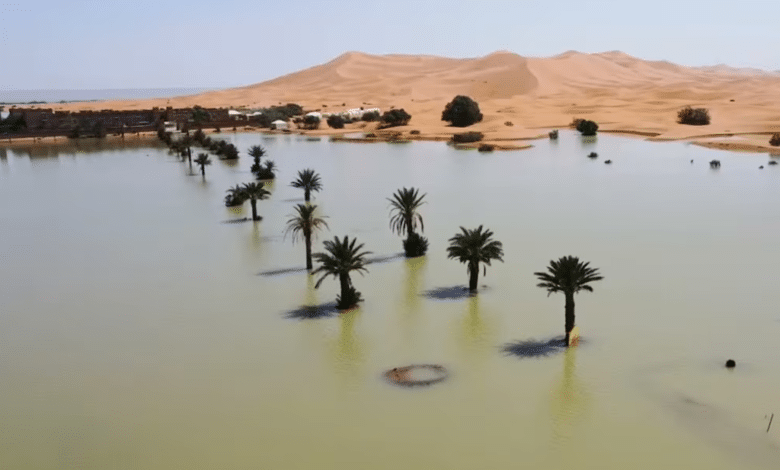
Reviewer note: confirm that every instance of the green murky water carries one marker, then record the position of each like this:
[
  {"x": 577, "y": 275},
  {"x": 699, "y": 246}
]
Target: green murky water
[{"x": 136, "y": 331}]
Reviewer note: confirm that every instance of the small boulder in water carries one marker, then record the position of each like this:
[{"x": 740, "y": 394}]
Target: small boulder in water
[{"x": 731, "y": 364}]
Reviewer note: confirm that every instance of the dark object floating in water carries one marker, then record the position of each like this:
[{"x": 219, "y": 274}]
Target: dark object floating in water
[
  {"x": 761, "y": 167},
  {"x": 312, "y": 312},
  {"x": 533, "y": 348},
  {"x": 772, "y": 162},
  {"x": 715, "y": 164},
  {"x": 607, "y": 162},
  {"x": 593, "y": 155},
  {"x": 423, "y": 374},
  {"x": 731, "y": 364}
]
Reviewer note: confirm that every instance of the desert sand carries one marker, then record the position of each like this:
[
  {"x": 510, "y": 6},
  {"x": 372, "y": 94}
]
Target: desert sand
[{"x": 623, "y": 94}]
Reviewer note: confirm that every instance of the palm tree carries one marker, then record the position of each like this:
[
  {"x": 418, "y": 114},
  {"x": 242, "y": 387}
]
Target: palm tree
[
  {"x": 309, "y": 181},
  {"x": 203, "y": 160},
  {"x": 256, "y": 152},
  {"x": 473, "y": 247},
  {"x": 403, "y": 210},
  {"x": 255, "y": 192},
  {"x": 342, "y": 257},
  {"x": 235, "y": 196},
  {"x": 303, "y": 224},
  {"x": 568, "y": 275}
]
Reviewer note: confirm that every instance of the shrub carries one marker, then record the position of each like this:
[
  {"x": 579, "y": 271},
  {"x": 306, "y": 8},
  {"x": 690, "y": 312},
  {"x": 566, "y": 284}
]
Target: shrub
[
  {"x": 335, "y": 121},
  {"x": 693, "y": 117},
  {"x": 575, "y": 123},
  {"x": 395, "y": 117},
  {"x": 414, "y": 132},
  {"x": 593, "y": 155},
  {"x": 508, "y": 124},
  {"x": 587, "y": 127},
  {"x": 415, "y": 245},
  {"x": 351, "y": 299},
  {"x": 311, "y": 122},
  {"x": 371, "y": 116},
  {"x": 553, "y": 134},
  {"x": 775, "y": 140},
  {"x": 462, "y": 111},
  {"x": 486, "y": 148},
  {"x": 370, "y": 135},
  {"x": 467, "y": 137}
]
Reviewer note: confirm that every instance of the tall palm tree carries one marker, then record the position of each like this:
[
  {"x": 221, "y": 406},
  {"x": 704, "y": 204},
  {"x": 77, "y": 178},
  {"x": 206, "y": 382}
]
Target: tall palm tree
[
  {"x": 303, "y": 224},
  {"x": 342, "y": 257},
  {"x": 568, "y": 275},
  {"x": 309, "y": 181},
  {"x": 473, "y": 247},
  {"x": 255, "y": 192},
  {"x": 203, "y": 160},
  {"x": 403, "y": 209},
  {"x": 256, "y": 152}
]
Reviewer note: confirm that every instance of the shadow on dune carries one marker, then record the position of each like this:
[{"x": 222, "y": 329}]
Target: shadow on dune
[
  {"x": 534, "y": 348},
  {"x": 312, "y": 312},
  {"x": 449, "y": 293}
]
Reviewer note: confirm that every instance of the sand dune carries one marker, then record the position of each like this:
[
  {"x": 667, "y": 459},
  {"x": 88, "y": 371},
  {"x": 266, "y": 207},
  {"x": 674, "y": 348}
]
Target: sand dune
[{"x": 621, "y": 92}]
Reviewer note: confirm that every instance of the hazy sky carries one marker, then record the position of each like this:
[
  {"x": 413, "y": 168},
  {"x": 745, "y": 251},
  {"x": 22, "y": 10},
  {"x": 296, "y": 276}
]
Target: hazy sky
[{"x": 85, "y": 44}]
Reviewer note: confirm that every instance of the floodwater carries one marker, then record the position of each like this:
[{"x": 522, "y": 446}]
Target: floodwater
[{"x": 139, "y": 330}]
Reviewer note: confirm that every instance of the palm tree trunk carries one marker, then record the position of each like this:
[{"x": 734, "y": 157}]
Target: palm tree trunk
[
  {"x": 569, "y": 315},
  {"x": 254, "y": 208},
  {"x": 473, "y": 277},
  {"x": 409, "y": 230},
  {"x": 203, "y": 170},
  {"x": 306, "y": 195},
  {"x": 307, "y": 236},
  {"x": 344, "y": 281}
]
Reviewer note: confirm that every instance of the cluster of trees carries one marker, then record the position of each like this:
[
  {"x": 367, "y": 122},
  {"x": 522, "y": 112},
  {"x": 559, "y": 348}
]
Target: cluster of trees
[
  {"x": 393, "y": 118},
  {"x": 274, "y": 113},
  {"x": 585, "y": 127},
  {"x": 12, "y": 125},
  {"x": 262, "y": 171},
  {"x": 774, "y": 141},
  {"x": 336, "y": 121},
  {"x": 693, "y": 116}
]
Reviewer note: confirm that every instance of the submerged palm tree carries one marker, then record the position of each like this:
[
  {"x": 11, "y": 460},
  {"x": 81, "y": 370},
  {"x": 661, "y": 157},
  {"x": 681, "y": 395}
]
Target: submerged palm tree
[
  {"x": 568, "y": 275},
  {"x": 473, "y": 247},
  {"x": 342, "y": 257},
  {"x": 404, "y": 219},
  {"x": 309, "y": 181},
  {"x": 303, "y": 224},
  {"x": 203, "y": 160},
  {"x": 253, "y": 192}
]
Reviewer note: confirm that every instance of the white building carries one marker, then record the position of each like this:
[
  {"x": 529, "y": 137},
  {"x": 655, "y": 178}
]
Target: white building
[{"x": 279, "y": 125}]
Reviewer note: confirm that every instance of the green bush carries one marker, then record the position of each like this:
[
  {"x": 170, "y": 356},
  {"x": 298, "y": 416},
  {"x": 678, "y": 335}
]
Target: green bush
[
  {"x": 351, "y": 299},
  {"x": 415, "y": 245},
  {"x": 311, "y": 122},
  {"x": 467, "y": 137},
  {"x": 395, "y": 117},
  {"x": 335, "y": 121},
  {"x": 693, "y": 117},
  {"x": 587, "y": 128},
  {"x": 371, "y": 116},
  {"x": 462, "y": 111}
]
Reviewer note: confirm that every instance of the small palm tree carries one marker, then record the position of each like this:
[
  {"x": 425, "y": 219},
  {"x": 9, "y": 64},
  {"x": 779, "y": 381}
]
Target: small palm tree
[
  {"x": 568, "y": 275},
  {"x": 473, "y": 247},
  {"x": 342, "y": 257},
  {"x": 254, "y": 192},
  {"x": 256, "y": 152},
  {"x": 203, "y": 160},
  {"x": 404, "y": 219},
  {"x": 309, "y": 181},
  {"x": 403, "y": 209},
  {"x": 235, "y": 196},
  {"x": 303, "y": 224}
]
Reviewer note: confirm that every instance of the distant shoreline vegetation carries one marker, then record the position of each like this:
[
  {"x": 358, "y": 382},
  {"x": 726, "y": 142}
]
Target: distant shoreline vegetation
[{"x": 62, "y": 96}]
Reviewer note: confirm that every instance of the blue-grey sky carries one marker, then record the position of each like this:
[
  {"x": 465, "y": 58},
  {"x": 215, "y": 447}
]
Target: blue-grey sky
[{"x": 86, "y": 44}]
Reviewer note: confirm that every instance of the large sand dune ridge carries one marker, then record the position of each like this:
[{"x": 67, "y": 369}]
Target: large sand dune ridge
[{"x": 620, "y": 92}]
